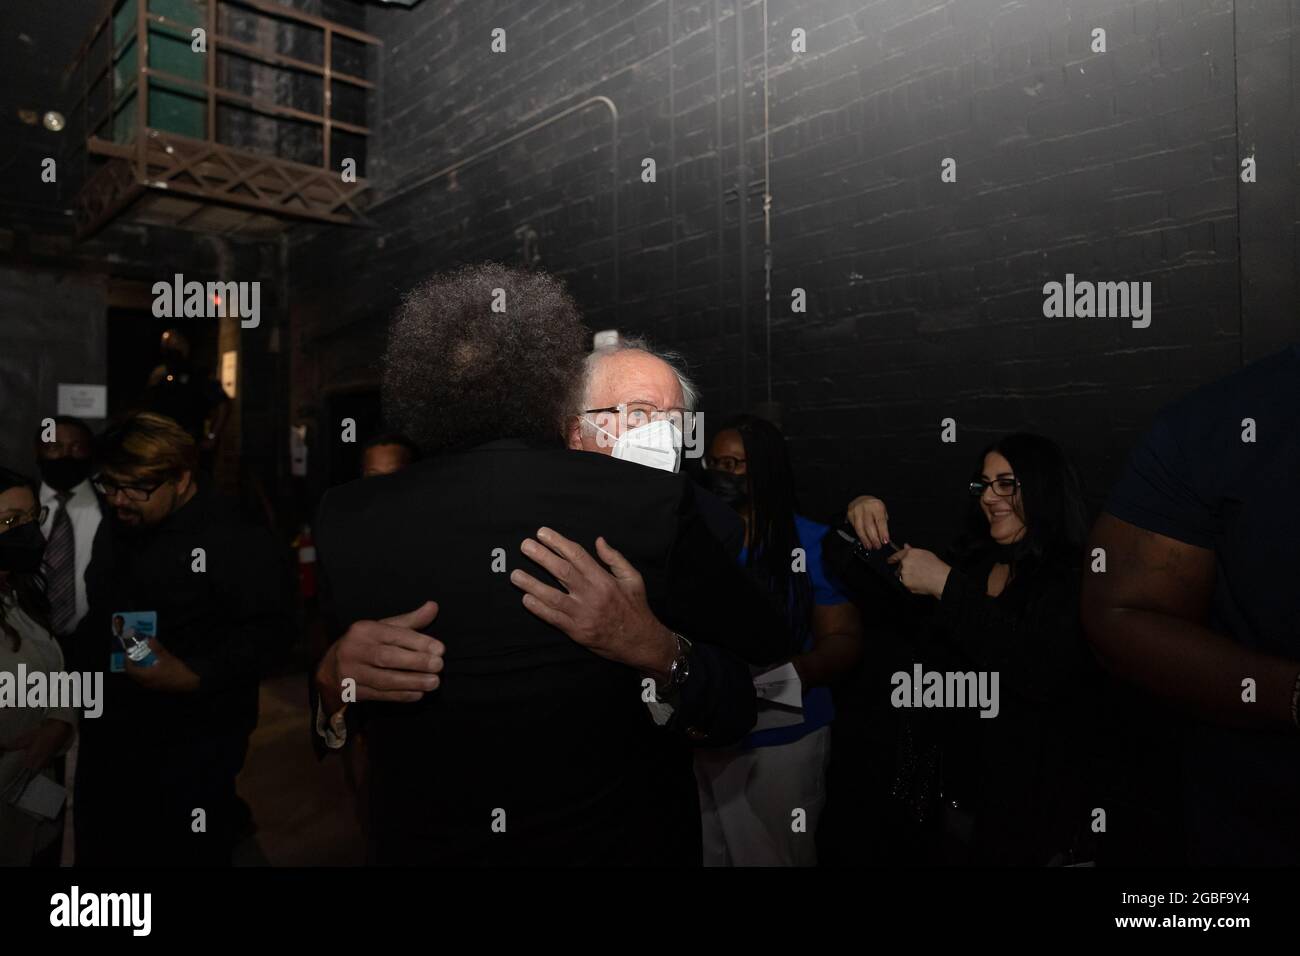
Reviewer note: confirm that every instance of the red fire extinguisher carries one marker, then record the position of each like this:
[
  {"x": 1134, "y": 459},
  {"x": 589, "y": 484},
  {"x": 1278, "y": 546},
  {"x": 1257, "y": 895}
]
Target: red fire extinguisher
[{"x": 306, "y": 563}]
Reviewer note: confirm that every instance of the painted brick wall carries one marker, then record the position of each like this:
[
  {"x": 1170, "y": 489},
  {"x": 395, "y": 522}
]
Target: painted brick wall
[
  {"x": 54, "y": 330},
  {"x": 924, "y": 297}
]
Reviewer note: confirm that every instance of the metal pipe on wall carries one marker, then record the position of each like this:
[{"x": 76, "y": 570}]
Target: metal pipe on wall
[
  {"x": 717, "y": 145},
  {"x": 767, "y": 216},
  {"x": 742, "y": 193},
  {"x": 672, "y": 157}
]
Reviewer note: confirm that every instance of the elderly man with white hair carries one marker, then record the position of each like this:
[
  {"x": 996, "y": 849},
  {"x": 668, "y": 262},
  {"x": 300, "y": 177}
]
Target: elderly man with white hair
[
  {"x": 511, "y": 717},
  {"x": 630, "y": 383},
  {"x": 637, "y": 404}
]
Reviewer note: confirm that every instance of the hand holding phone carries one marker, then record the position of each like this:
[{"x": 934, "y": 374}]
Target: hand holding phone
[{"x": 877, "y": 560}]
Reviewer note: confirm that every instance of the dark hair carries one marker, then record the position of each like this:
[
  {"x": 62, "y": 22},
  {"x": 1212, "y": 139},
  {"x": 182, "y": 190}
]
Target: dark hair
[
  {"x": 70, "y": 420},
  {"x": 28, "y": 587},
  {"x": 456, "y": 373},
  {"x": 393, "y": 438},
  {"x": 1055, "y": 517},
  {"x": 773, "y": 534},
  {"x": 148, "y": 446}
]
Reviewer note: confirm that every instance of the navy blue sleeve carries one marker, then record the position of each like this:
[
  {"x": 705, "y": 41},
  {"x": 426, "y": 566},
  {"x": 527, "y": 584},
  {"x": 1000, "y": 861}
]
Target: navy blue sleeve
[
  {"x": 825, "y": 592},
  {"x": 1167, "y": 487}
]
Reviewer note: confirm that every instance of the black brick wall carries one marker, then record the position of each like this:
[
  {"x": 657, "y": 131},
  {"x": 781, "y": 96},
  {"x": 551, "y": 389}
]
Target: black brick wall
[
  {"x": 54, "y": 330},
  {"x": 924, "y": 297}
]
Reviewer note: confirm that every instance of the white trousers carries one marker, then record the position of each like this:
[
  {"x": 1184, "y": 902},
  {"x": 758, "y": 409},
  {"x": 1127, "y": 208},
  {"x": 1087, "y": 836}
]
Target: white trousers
[{"x": 749, "y": 798}]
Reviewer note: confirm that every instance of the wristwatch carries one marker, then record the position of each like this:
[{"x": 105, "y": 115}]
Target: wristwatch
[{"x": 680, "y": 669}]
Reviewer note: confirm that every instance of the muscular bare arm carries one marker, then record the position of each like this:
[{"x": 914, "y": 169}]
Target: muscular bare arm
[{"x": 1146, "y": 619}]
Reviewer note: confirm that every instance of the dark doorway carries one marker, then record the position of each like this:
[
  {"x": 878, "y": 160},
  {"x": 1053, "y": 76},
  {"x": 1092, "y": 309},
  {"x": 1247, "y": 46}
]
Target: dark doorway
[{"x": 133, "y": 352}]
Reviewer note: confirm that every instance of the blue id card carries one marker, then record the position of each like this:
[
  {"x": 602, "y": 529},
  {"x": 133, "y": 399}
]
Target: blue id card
[{"x": 130, "y": 629}]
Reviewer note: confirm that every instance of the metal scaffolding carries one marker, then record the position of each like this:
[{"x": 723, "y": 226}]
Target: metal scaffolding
[{"x": 153, "y": 149}]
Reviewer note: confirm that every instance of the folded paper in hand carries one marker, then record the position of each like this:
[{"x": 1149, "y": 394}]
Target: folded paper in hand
[
  {"x": 780, "y": 697},
  {"x": 33, "y": 793}
]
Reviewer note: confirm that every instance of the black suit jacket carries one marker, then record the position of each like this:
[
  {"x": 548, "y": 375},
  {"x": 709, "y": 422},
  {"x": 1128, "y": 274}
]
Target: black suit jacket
[
  {"x": 230, "y": 623},
  {"x": 722, "y": 520},
  {"x": 533, "y": 749}
]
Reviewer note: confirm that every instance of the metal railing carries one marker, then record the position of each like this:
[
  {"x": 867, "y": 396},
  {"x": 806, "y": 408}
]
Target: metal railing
[{"x": 146, "y": 77}]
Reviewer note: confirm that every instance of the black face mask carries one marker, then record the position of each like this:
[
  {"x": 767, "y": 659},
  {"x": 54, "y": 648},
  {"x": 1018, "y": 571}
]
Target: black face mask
[
  {"x": 21, "y": 548},
  {"x": 733, "y": 489},
  {"x": 64, "y": 474}
]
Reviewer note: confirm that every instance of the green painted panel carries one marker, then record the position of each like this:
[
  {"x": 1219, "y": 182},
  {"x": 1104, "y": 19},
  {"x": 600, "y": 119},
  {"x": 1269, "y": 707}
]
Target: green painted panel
[
  {"x": 124, "y": 72},
  {"x": 173, "y": 107}
]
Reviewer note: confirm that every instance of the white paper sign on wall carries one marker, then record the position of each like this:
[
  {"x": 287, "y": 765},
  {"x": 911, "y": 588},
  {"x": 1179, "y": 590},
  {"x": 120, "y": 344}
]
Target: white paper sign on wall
[
  {"x": 229, "y": 362},
  {"x": 83, "y": 401},
  {"x": 298, "y": 450}
]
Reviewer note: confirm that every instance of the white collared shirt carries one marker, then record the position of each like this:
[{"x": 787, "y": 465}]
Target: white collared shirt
[{"x": 84, "y": 513}]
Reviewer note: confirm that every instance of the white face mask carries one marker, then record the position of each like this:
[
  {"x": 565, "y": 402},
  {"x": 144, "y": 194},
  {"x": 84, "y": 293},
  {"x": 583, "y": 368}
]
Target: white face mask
[{"x": 658, "y": 444}]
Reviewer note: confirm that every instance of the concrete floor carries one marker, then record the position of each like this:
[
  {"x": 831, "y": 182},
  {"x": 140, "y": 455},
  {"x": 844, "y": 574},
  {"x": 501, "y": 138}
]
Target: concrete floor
[{"x": 301, "y": 805}]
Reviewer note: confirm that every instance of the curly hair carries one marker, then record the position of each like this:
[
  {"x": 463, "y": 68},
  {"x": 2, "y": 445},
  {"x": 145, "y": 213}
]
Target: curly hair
[{"x": 457, "y": 373}]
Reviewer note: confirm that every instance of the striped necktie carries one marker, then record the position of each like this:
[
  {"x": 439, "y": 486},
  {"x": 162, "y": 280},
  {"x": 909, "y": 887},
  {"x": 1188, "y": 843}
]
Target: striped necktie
[{"x": 61, "y": 568}]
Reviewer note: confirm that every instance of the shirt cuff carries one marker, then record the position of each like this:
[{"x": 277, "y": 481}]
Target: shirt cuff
[
  {"x": 660, "y": 710},
  {"x": 334, "y": 731}
]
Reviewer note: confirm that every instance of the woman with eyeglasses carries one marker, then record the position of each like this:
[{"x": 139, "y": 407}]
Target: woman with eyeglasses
[
  {"x": 31, "y": 738},
  {"x": 748, "y": 793},
  {"x": 1007, "y": 596}
]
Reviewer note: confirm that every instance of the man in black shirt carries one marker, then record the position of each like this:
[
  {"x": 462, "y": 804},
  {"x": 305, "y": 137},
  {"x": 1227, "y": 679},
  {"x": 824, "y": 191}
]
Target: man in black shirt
[
  {"x": 156, "y": 773},
  {"x": 1199, "y": 605},
  {"x": 505, "y": 741}
]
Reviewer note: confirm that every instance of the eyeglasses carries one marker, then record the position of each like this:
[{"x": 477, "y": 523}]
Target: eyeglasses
[
  {"x": 643, "y": 413},
  {"x": 39, "y": 516},
  {"x": 726, "y": 463},
  {"x": 110, "y": 489},
  {"x": 1002, "y": 487}
]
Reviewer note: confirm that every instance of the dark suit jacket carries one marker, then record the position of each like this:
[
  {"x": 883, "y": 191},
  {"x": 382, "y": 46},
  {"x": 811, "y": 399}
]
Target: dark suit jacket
[
  {"x": 722, "y": 520},
  {"x": 529, "y": 730},
  {"x": 229, "y": 624}
]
